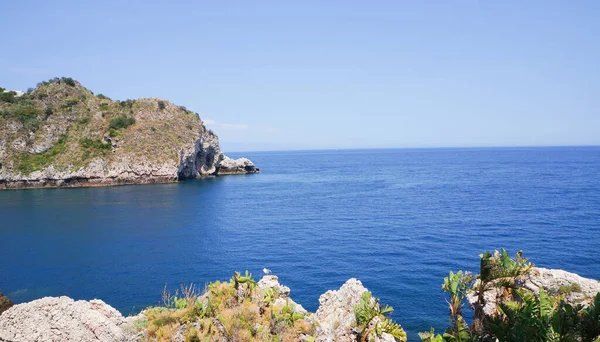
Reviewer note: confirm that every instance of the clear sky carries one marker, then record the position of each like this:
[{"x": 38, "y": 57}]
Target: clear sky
[{"x": 276, "y": 75}]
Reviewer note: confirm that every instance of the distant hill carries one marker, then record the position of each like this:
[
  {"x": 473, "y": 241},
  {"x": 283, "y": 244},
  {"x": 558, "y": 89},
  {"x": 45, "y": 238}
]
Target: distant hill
[{"x": 61, "y": 134}]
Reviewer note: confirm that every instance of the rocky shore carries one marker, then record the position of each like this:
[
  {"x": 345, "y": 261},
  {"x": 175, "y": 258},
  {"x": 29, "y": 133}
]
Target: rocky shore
[
  {"x": 64, "y": 319},
  {"x": 245, "y": 310},
  {"x": 60, "y": 134}
]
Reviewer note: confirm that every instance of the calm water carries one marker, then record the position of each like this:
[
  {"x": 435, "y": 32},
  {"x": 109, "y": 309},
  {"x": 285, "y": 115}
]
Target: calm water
[{"x": 398, "y": 220}]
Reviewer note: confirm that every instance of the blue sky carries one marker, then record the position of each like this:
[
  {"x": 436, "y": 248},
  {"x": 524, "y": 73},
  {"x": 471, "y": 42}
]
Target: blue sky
[{"x": 276, "y": 75}]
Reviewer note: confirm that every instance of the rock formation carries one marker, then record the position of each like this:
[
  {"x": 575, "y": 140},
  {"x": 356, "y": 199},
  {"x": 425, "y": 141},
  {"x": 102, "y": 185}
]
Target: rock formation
[
  {"x": 578, "y": 290},
  {"x": 239, "y": 166},
  {"x": 335, "y": 315},
  {"x": 63, "y": 319},
  {"x": 62, "y": 135}
]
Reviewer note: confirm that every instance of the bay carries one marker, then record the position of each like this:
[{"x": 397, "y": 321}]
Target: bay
[{"x": 397, "y": 219}]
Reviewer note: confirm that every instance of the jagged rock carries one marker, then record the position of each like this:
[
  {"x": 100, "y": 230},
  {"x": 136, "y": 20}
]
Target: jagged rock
[
  {"x": 281, "y": 292},
  {"x": 230, "y": 166},
  {"x": 5, "y": 302},
  {"x": 335, "y": 316},
  {"x": 550, "y": 280},
  {"x": 272, "y": 282},
  {"x": 63, "y": 319}
]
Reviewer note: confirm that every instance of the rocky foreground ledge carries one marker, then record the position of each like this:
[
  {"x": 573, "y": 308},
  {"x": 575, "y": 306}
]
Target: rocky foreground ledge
[
  {"x": 63, "y": 319},
  {"x": 245, "y": 310}
]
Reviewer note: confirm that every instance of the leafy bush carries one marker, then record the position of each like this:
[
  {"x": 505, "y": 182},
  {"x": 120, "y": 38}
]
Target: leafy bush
[
  {"x": 102, "y": 97},
  {"x": 520, "y": 314},
  {"x": 68, "y": 81},
  {"x": 127, "y": 103},
  {"x": 28, "y": 115},
  {"x": 121, "y": 122},
  {"x": 95, "y": 144},
  {"x": 27, "y": 163},
  {"x": 69, "y": 103},
  {"x": 162, "y": 105},
  {"x": 369, "y": 311},
  {"x": 8, "y": 96}
]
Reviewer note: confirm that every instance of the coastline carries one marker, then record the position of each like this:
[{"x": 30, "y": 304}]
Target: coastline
[{"x": 244, "y": 309}]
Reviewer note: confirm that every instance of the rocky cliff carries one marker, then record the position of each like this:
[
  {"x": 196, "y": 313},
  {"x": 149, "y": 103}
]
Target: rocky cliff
[
  {"x": 61, "y": 135},
  {"x": 241, "y": 310},
  {"x": 245, "y": 310}
]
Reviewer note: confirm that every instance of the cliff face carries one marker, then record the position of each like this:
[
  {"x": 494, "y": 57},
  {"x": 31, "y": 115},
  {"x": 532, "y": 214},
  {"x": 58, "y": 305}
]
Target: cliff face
[{"x": 60, "y": 134}]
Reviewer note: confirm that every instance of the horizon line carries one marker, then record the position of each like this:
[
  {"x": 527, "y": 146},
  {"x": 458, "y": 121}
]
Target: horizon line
[{"x": 415, "y": 148}]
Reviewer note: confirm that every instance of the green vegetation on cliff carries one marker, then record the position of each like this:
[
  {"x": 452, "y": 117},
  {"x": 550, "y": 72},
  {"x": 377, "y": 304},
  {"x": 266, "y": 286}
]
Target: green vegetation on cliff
[
  {"x": 62, "y": 124},
  {"x": 507, "y": 311},
  {"x": 511, "y": 302}
]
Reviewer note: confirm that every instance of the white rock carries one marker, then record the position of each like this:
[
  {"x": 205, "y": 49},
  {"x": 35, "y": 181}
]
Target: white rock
[
  {"x": 335, "y": 316},
  {"x": 62, "y": 319}
]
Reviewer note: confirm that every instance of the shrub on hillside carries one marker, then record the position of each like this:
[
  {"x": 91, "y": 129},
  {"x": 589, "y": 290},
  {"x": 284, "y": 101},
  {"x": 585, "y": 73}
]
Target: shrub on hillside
[
  {"x": 162, "y": 105},
  {"x": 68, "y": 81},
  {"x": 94, "y": 143},
  {"x": 121, "y": 122},
  {"x": 8, "y": 96}
]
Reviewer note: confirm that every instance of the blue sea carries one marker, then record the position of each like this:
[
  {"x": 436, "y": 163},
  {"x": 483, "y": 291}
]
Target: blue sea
[{"x": 396, "y": 219}]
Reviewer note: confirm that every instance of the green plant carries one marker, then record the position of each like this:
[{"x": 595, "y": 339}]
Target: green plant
[
  {"x": 520, "y": 314},
  {"x": 28, "y": 115},
  {"x": 268, "y": 295},
  {"x": 95, "y": 144},
  {"x": 456, "y": 285},
  {"x": 121, "y": 122},
  {"x": 528, "y": 319},
  {"x": 369, "y": 309},
  {"x": 68, "y": 81},
  {"x": 102, "y": 97},
  {"x": 28, "y": 163},
  {"x": 127, "y": 103},
  {"x": 430, "y": 336},
  {"x": 69, "y": 103},
  {"x": 497, "y": 270},
  {"x": 8, "y": 96},
  {"x": 162, "y": 105}
]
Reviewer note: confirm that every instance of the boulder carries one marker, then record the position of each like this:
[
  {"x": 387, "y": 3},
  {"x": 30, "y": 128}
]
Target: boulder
[
  {"x": 62, "y": 319},
  {"x": 229, "y": 166}
]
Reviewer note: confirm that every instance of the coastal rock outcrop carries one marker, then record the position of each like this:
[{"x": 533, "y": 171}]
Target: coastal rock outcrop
[
  {"x": 577, "y": 289},
  {"x": 63, "y": 319},
  {"x": 239, "y": 166},
  {"x": 335, "y": 315},
  {"x": 62, "y": 135}
]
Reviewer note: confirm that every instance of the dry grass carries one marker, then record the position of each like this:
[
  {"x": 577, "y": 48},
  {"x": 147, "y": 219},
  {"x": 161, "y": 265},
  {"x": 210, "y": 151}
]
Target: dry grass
[{"x": 226, "y": 310}]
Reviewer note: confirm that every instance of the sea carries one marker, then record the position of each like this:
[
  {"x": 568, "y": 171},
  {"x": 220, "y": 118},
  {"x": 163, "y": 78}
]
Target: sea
[{"x": 396, "y": 219}]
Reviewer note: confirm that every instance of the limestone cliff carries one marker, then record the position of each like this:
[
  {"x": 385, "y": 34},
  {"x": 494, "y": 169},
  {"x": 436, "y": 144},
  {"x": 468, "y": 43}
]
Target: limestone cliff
[{"x": 60, "y": 135}]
